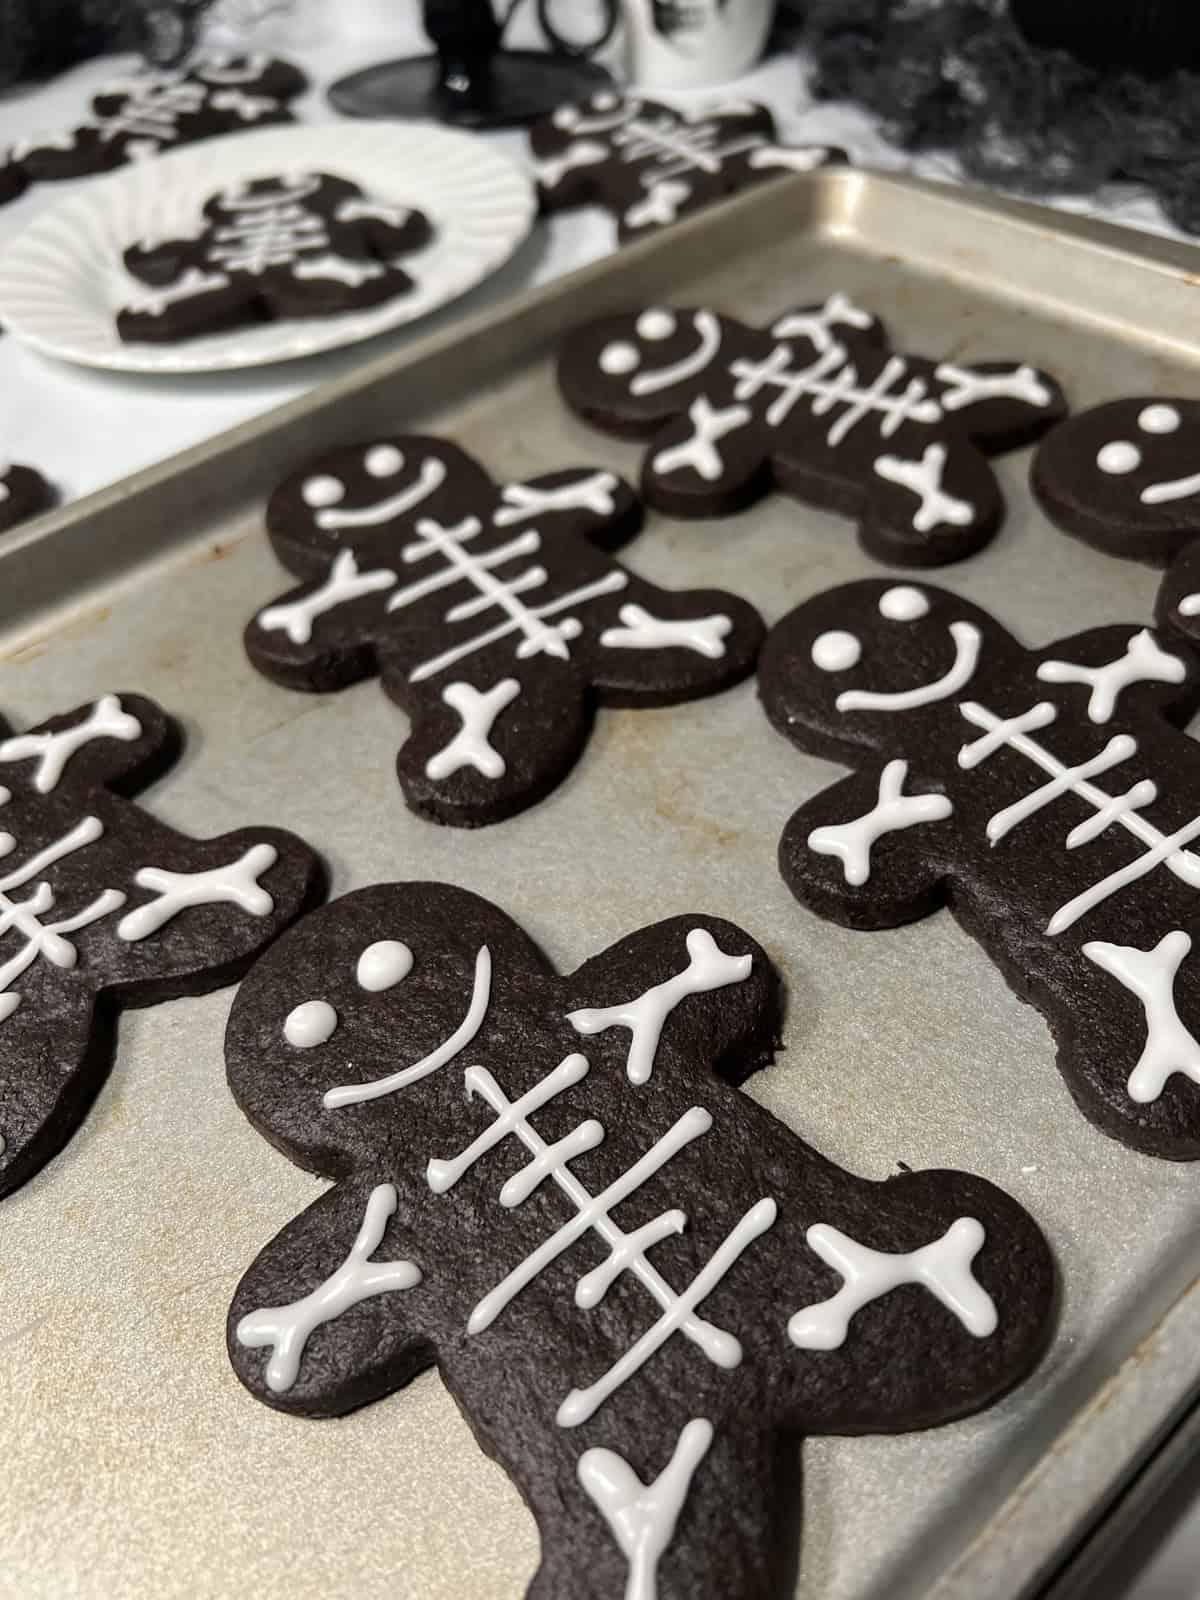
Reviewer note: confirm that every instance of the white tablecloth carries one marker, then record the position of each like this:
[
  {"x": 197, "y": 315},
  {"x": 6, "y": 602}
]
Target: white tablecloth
[{"x": 84, "y": 429}]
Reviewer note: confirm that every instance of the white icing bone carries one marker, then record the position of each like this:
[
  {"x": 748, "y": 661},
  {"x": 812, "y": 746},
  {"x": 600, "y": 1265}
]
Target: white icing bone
[
  {"x": 105, "y": 720},
  {"x": 595, "y": 493},
  {"x": 851, "y": 842},
  {"x": 966, "y": 387},
  {"x": 235, "y": 884},
  {"x": 661, "y": 204},
  {"x": 1144, "y": 661},
  {"x": 470, "y": 746},
  {"x": 924, "y": 479},
  {"x": 640, "y": 630},
  {"x": 343, "y": 583},
  {"x": 287, "y": 1329},
  {"x": 699, "y": 452},
  {"x": 943, "y": 1267},
  {"x": 1150, "y": 975},
  {"x": 642, "y": 1516},
  {"x": 708, "y": 968}
]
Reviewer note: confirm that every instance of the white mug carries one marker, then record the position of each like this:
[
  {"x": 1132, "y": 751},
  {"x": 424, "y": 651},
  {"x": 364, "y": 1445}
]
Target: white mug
[{"x": 688, "y": 44}]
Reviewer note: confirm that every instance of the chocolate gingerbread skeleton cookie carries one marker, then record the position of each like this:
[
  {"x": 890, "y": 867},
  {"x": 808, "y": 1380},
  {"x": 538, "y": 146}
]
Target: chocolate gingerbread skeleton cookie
[
  {"x": 817, "y": 404},
  {"x": 1042, "y": 794},
  {"x": 152, "y": 112},
  {"x": 1125, "y": 476},
  {"x": 24, "y": 493},
  {"x": 492, "y": 612},
  {"x": 298, "y": 246},
  {"x": 102, "y": 906},
  {"x": 650, "y": 164},
  {"x": 633, "y": 1279}
]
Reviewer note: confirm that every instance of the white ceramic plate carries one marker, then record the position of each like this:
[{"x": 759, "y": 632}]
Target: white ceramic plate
[{"x": 62, "y": 280}]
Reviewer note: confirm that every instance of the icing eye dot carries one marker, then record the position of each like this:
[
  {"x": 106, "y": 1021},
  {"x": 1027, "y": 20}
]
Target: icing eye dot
[
  {"x": 903, "y": 604},
  {"x": 604, "y": 102},
  {"x": 655, "y": 325},
  {"x": 323, "y": 490},
  {"x": 383, "y": 461},
  {"x": 382, "y": 964},
  {"x": 1159, "y": 419},
  {"x": 1119, "y": 456},
  {"x": 836, "y": 651},
  {"x": 309, "y": 1024},
  {"x": 618, "y": 357}
]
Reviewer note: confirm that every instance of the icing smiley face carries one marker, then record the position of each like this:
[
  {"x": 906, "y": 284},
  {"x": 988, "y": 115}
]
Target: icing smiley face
[
  {"x": 490, "y": 614},
  {"x": 816, "y": 404},
  {"x": 1125, "y": 476},
  {"x": 1044, "y": 794},
  {"x": 634, "y": 1280},
  {"x": 650, "y": 164}
]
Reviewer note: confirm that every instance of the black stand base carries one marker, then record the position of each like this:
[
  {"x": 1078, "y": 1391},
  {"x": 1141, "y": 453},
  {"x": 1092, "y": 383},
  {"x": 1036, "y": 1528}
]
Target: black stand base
[{"x": 515, "y": 86}]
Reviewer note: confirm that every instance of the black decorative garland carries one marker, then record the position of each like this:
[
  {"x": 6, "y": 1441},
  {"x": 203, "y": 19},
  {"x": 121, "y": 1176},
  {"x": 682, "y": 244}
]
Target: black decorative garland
[{"x": 960, "y": 76}]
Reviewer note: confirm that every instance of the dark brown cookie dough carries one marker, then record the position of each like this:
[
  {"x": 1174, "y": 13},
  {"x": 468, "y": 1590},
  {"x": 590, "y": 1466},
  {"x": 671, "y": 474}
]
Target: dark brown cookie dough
[
  {"x": 817, "y": 405},
  {"x": 13, "y": 181},
  {"x": 24, "y": 493},
  {"x": 152, "y": 112},
  {"x": 102, "y": 906},
  {"x": 494, "y": 614},
  {"x": 1125, "y": 476},
  {"x": 650, "y": 164},
  {"x": 309, "y": 245},
  {"x": 633, "y": 1279},
  {"x": 1046, "y": 796}
]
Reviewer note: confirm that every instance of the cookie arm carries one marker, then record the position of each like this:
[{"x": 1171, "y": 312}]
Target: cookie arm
[
  {"x": 872, "y": 851},
  {"x": 938, "y": 1295},
  {"x": 328, "y": 1316},
  {"x": 692, "y": 989},
  {"x": 665, "y": 646}
]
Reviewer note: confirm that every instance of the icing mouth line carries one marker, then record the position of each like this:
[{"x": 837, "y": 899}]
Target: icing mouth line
[
  {"x": 967, "y": 641},
  {"x": 431, "y": 476},
  {"x": 1175, "y": 489},
  {"x": 709, "y": 329}
]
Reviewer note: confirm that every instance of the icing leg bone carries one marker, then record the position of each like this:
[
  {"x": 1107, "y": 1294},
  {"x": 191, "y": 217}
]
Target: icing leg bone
[
  {"x": 609, "y": 1265},
  {"x": 1069, "y": 843},
  {"x": 500, "y": 602},
  {"x": 642, "y": 1516}
]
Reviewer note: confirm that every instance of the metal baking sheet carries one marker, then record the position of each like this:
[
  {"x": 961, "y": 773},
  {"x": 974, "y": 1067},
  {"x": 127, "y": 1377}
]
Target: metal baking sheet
[{"x": 134, "y": 1464}]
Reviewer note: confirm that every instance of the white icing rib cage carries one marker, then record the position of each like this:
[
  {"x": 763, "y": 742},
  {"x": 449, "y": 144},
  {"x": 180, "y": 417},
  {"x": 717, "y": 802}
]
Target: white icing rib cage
[{"x": 62, "y": 281}]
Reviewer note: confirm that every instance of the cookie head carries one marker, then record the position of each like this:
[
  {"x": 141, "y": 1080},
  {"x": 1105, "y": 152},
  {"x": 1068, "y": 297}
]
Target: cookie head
[
  {"x": 1125, "y": 476},
  {"x": 632, "y": 372},
  {"x": 862, "y": 662},
  {"x": 355, "y": 497}
]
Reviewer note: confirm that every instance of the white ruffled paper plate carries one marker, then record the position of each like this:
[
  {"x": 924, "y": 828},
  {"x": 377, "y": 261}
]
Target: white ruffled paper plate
[{"x": 62, "y": 281}]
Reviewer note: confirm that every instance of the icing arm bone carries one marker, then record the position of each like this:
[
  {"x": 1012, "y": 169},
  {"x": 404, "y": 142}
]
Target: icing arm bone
[{"x": 635, "y": 1281}]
